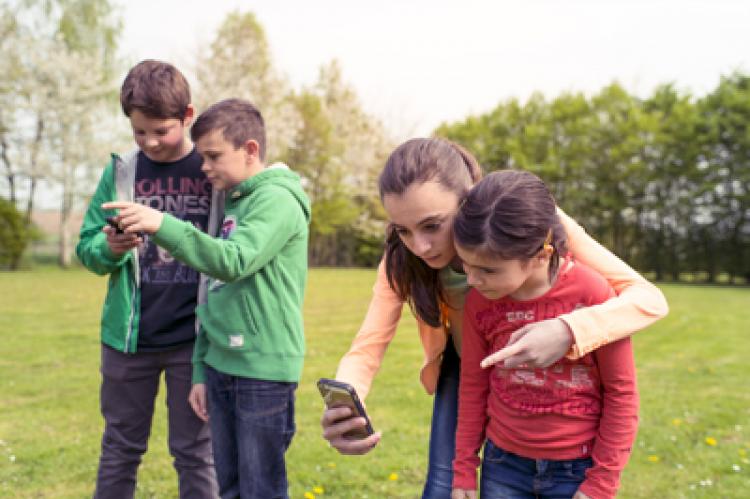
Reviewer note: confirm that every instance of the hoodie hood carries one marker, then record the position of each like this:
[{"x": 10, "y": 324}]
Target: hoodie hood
[{"x": 277, "y": 174}]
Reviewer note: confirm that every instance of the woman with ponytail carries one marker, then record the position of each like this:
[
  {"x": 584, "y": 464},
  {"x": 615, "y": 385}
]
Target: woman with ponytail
[{"x": 421, "y": 186}]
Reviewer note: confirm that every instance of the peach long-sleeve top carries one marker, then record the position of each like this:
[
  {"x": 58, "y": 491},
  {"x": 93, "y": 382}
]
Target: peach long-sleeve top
[{"x": 637, "y": 305}]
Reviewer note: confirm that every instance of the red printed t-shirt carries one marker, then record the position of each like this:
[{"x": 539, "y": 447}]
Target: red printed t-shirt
[{"x": 572, "y": 409}]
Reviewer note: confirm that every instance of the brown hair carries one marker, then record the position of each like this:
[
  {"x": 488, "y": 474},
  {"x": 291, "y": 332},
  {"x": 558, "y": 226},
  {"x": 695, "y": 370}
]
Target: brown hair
[
  {"x": 157, "y": 89},
  {"x": 238, "y": 120},
  {"x": 511, "y": 214},
  {"x": 420, "y": 161}
]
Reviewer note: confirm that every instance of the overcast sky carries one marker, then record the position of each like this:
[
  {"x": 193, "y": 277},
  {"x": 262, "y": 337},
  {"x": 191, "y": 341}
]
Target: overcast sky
[{"x": 416, "y": 63}]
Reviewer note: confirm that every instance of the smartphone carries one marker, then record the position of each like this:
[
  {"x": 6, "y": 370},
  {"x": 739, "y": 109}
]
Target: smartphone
[
  {"x": 111, "y": 222},
  {"x": 340, "y": 394}
]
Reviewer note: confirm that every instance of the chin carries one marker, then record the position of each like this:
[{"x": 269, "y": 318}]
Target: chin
[{"x": 437, "y": 263}]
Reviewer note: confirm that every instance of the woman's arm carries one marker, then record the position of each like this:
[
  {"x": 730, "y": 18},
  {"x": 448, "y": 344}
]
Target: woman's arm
[
  {"x": 360, "y": 364},
  {"x": 638, "y": 304}
]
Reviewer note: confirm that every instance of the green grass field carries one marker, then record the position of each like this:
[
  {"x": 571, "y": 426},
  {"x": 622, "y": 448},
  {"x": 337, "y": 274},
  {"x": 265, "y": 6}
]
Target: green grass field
[{"x": 693, "y": 441}]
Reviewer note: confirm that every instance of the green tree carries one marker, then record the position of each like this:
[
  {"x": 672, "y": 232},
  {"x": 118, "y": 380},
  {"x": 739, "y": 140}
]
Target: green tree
[
  {"x": 725, "y": 194},
  {"x": 338, "y": 151},
  {"x": 14, "y": 235}
]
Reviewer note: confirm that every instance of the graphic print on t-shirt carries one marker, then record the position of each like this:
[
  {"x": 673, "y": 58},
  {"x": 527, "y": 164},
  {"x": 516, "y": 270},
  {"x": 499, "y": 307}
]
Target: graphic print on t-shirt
[
  {"x": 187, "y": 199},
  {"x": 169, "y": 288},
  {"x": 564, "y": 387}
]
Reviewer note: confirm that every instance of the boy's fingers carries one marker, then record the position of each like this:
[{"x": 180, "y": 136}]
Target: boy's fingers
[
  {"x": 501, "y": 355},
  {"x": 116, "y": 205}
]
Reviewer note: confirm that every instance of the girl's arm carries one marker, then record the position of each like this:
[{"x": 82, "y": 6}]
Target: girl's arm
[
  {"x": 619, "y": 419},
  {"x": 360, "y": 364},
  {"x": 638, "y": 303},
  {"x": 472, "y": 402}
]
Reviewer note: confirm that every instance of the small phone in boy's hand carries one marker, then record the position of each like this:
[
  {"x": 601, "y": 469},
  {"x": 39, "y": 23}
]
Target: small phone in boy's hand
[
  {"x": 340, "y": 394},
  {"x": 118, "y": 230},
  {"x": 112, "y": 223}
]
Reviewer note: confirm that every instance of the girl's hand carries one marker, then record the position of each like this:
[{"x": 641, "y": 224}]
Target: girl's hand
[
  {"x": 135, "y": 217},
  {"x": 540, "y": 344},
  {"x": 463, "y": 494},
  {"x": 336, "y": 422},
  {"x": 580, "y": 495},
  {"x": 197, "y": 399}
]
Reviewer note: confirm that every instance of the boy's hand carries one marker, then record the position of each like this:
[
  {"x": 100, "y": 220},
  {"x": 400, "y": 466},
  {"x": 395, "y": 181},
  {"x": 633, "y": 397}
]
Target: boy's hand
[
  {"x": 197, "y": 399},
  {"x": 135, "y": 217},
  {"x": 463, "y": 494},
  {"x": 119, "y": 244},
  {"x": 540, "y": 344}
]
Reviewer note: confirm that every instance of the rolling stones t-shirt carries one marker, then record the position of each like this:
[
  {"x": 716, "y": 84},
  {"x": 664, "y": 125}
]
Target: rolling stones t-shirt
[{"x": 169, "y": 288}]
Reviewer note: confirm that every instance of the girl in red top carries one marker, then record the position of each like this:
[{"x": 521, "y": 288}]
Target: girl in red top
[{"x": 561, "y": 431}]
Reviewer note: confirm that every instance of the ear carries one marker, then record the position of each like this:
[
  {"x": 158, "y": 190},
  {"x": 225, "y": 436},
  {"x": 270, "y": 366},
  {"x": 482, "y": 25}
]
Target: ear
[
  {"x": 252, "y": 148},
  {"x": 189, "y": 116}
]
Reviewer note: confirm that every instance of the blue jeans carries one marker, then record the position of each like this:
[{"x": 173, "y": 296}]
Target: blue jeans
[
  {"x": 508, "y": 476},
  {"x": 443, "y": 432},
  {"x": 252, "y": 424}
]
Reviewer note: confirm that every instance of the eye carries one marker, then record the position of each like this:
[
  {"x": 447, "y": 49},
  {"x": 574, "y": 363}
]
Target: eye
[
  {"x": 162, "y": 131},
  {"x": 431, "y": 227}
]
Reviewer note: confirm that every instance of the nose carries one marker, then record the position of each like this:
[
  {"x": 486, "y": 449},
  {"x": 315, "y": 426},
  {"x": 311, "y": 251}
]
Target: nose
[
  {"x": 422, "y": 245},
  {"x": 151, "y": 142},
  {"x": 471, "y": 278}
]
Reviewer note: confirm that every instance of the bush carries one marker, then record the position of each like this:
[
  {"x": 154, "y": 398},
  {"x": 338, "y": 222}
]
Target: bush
[{"x": 14, "y": 235}]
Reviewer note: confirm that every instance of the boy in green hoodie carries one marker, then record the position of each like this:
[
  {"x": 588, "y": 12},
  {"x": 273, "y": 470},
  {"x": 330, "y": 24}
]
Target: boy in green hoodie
[{"x": 248, "y": 355}]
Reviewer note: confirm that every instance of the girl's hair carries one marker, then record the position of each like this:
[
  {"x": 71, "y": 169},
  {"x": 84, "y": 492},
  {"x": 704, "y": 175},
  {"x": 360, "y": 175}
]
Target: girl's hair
[
  {"x": 415, "y": 162},
  {"x": 510, "y": 214}
]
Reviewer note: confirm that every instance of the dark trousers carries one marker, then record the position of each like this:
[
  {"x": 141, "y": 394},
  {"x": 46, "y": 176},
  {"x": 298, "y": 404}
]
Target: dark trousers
[
  {"x": 252, "y": 424},
  {"x": 443, "y": 432},
  {"x": 130, "y": 383}
]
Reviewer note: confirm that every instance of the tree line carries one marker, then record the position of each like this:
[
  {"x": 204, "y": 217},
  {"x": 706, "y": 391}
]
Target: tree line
[{"x": 663, "y": 181}]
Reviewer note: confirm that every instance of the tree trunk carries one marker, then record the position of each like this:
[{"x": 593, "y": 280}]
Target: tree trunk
[
  {"x": 10, "y": 175},
  {"x": 33, "y": 171},
  {"x": 66, "y": 206}
]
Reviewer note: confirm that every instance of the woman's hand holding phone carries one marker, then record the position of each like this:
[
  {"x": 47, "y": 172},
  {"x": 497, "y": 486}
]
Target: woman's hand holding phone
[{"x": 336, "y": 422}]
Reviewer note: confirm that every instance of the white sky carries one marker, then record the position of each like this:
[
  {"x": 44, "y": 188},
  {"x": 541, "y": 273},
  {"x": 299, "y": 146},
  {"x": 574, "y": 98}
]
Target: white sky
[{"x": 416, "y": 63}]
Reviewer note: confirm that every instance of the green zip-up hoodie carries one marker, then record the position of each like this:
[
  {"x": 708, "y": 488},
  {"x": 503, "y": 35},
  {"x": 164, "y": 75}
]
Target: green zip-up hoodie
[
  {"x": 121, "y": 310},
  {"x": 251, "y": 323}
]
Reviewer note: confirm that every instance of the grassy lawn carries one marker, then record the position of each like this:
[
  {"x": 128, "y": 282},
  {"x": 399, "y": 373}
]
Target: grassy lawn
[{"x": 693, "y": 441}]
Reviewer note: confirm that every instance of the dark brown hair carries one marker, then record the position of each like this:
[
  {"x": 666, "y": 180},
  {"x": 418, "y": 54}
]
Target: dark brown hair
[
  {"x": 157, "y": 89},
  {"x": 238, "y": 120},
  {"x": 510, "y": 214},
  {"x": 419, "y": 161}
]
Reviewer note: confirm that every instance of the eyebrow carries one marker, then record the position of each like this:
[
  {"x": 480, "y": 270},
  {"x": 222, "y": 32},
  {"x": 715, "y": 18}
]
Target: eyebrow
[{"x": 427, "y": 219}]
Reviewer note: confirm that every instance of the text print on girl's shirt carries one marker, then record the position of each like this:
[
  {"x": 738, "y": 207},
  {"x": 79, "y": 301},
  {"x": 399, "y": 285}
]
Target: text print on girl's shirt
[
  {"x": 563, "y": 388},
  {"x": 187, "y": 198}
]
